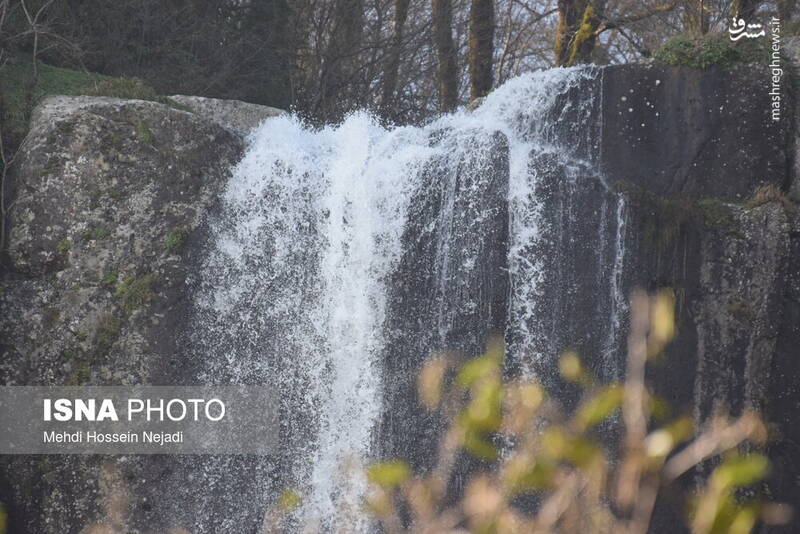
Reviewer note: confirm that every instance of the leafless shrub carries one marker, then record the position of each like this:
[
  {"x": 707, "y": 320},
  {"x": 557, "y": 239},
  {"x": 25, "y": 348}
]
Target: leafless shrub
[{"x": 556, "y": 454}]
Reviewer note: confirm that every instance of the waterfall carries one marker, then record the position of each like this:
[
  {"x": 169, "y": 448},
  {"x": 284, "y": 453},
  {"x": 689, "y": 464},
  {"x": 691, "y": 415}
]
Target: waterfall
[{"x": 297, "y": 284}]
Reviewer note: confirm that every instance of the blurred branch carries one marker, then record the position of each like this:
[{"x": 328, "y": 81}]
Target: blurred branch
[{"x": 722, "y": 436}]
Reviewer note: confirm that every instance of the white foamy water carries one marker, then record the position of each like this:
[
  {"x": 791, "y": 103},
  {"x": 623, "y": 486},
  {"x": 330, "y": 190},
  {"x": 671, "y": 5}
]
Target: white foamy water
[{"x": 294, "y": 284}]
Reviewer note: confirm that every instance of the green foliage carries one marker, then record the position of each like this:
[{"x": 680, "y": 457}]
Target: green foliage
[
  {"x": 289, "y": 500},
  {"x": 176, "y": 238},
  {"x": 124, "y": 87},
  {"x": 581, "y": 481},
  {"x": 714, "y": 49},
  {"x": 135, "y": 292},
  {"x": 389, "y": 474},
  {"x": 63, "y": 246},
  {"x": 740, "y": 471},
  {"x": 19, "y": 94},
  {"x": 110, "y": 279},
  {"x": 482, "y": 415},
  {"x": 718, "y": 510},
  {"x": 143, "y": 133},
  {"x": 599, "y": 408},
  {"x": 107, "y": 333}
]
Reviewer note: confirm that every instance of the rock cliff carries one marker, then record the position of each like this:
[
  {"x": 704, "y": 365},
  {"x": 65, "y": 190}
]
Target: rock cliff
[{"x": 680, "y": 179}]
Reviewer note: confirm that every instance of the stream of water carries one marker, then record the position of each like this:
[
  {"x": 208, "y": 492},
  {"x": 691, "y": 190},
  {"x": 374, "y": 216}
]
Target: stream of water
[{"x": 307, "y": 238}]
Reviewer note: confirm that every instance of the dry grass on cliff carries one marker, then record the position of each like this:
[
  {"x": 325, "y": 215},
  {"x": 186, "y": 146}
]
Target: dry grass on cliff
[{"x": 767, "y": 193}]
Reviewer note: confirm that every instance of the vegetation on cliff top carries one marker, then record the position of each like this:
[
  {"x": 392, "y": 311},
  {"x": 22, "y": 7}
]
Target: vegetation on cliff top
[
  {"x": 406, "y": 60},
  {"x": 19, "y": 92},
  {"x": 702, "y": 52},
  {"x": 21, "y": 88}
]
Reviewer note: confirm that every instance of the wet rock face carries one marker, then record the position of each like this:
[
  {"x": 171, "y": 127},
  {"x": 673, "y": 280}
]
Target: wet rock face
[
  {"x": 109, "y": 195},
  {"x": 450, "y": 288},
  {"x": 703, "y": 133},
  {"x": 709, "y": 179}
]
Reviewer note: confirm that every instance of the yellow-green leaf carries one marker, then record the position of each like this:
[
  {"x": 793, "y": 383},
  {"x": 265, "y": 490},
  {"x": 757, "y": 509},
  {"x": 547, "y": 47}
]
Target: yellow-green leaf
[
  {"x": 479, "y": 446},
  {"x": 476, "y": 369},
  {"x": 289, "y": 500},
  {"x": 389, "y": 474},
  {"x": 741, "y": 471},
  {"x": 570, "y": 367},
  {"x": 600, "y": 406}
]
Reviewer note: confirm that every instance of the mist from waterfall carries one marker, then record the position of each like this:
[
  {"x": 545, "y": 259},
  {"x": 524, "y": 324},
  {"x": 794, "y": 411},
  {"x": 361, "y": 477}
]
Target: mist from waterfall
[{"x": 295, "y": 280}]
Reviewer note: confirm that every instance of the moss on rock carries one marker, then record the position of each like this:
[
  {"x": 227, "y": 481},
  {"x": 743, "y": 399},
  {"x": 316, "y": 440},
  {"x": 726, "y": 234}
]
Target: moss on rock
[
  {"x": 176, "y": 238},
  {"x": 709, "y": 50},
  {"x": 134, "y": 292}
]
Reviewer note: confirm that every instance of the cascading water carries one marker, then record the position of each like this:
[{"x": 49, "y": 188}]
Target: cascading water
[{"x": 297, "y": 288}]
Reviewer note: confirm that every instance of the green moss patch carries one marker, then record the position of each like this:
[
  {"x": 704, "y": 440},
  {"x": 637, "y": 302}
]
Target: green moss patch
[
  {"x": 97, "y": 231},
  {"x": 143, "y": 133},
  {"x": 715, "y": 49},
  {"x": 109, "y": 279},
  {"x": 107, "y": 334},
  {"x": 175, "y": 239},
  {"x": 666, "y": 217},
  {"x": 134, "y": 292},
  {"x": 63, "y": 246}
]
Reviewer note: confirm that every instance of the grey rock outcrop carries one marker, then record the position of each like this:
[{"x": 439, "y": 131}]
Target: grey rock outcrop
[
  {"x": 240, "y": 116},
  {"x": 108, "y": 194}
]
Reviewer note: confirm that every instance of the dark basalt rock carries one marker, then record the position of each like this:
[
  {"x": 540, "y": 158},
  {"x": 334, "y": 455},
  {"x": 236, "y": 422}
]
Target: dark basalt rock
[
  {"x": 699, "y": 133},
  {"x": 450, "y": 290}
]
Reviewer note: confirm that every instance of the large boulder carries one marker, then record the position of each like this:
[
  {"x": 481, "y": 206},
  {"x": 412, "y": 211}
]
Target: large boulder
[
  {"x": 108, "y": 196},
  {"x": 108, "y": 192}
]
